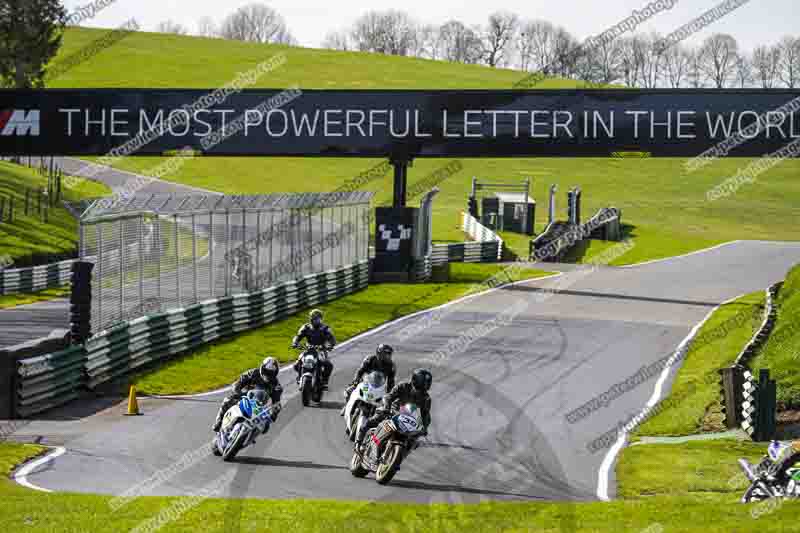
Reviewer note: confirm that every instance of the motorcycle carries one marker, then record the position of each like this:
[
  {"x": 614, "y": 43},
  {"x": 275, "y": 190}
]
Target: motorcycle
[
  {"x": 243, "y": 423},
  {"x": 388, "y": 445},
  {"x": 363, "y": 401},
  {"x": 311, "y": 374},
  {"x": 784, "y": 483}
]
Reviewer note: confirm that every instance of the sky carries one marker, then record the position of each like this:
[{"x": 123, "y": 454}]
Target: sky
[{"x": 756, "y": 22}]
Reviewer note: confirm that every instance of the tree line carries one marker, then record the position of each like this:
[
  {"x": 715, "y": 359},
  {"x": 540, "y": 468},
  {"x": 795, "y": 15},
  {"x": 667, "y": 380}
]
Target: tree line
[{"x": 506, "y": 40}]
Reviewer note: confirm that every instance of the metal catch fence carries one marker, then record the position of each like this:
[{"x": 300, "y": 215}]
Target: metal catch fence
[{"x": 158, "y": 252}]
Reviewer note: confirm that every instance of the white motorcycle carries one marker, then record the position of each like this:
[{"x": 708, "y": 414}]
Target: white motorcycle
[
  {"x": 243, "y": 423},
  {"x": 363, "y": 402}
]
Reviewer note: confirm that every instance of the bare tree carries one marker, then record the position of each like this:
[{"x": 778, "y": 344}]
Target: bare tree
[
  {"x": 459, "y": 43},
  {"x": 719, "y": 53},
  {"x": 676, "y": 65},
  {"x": 257, "y": 23},
  {"x": 336, "y": 40},
  {"x": 497, "y": 35},
  {"x": 388, "y": 32},
  {"x": 766, "y": 64},
  {"x": 694, "y": 72},
  {"x": 206, "y": 27},
  {"x": 536, "y": 44},
  {"x": 428, "y": 42},
  {"x": 629, "y": 67},
  {"x": 744, "y": 71},
  {"x": 168, "y": 26},
  {"x": 789, "y": 64}
]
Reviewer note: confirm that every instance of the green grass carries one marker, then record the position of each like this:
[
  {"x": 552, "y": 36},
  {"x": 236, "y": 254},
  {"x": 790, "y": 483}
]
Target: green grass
[
  {"x": 28, "y": 239},
  {"x": 693, "y": 404},
  {"x": 23, "y": 298},
  {"x": 781, "y": 353},
  {"x": 664, "y": 205},
  {"x": 707, "y": 467},
  {"x": 691, "y": 487},
  {"x": 219, "y": 363},
  {"x": 169, "y": 61}
]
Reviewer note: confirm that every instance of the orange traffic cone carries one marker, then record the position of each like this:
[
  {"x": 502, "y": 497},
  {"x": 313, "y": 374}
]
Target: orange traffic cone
[{"x": 133, "y": 404}]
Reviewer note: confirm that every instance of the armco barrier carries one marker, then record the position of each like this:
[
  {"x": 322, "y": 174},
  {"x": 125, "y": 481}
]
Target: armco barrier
[
  {"x": 472, "y": 227},
  {"x": 29, "y": 279},
  {"x": 50, "y": 380},
  {"x": 749, "y": 401}
]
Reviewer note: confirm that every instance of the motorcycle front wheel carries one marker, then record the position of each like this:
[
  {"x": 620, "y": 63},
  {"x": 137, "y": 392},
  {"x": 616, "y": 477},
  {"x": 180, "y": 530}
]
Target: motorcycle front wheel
[
  {"x": 387, "y": 469},
  {"x": 235, "y": 445},
  {"x": 354, "y": 416},
  {"x": 306, "y": 392},
  {"x": 355, "y": 466}
]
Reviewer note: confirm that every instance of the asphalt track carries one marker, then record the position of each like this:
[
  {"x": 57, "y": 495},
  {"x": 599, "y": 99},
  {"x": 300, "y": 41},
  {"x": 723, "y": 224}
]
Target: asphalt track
[{"x": 499, "y": 402}]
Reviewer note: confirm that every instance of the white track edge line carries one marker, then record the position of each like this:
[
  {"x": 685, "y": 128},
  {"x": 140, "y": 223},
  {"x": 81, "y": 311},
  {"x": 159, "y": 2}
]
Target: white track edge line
[
  {"x": 604, "y": 473},
  {"x": 663, "y": 259},
  {"x": 21, "y": 476}
]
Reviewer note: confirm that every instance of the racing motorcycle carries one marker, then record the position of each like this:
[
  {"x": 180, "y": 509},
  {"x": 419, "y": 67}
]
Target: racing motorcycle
[
  {"x": 388, "y": 445},
  {"x": 784, "y": 483},
  {"x": 243, "y": 423},
  {"x": 363, "y": 401},
  {"x": 311, "y": 374}
]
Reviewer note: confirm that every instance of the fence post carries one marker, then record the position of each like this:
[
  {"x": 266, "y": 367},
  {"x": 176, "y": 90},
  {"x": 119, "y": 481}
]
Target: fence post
[
  {"x": 731, "y": 382},
  {"x": 177, "y": 260},
  {"x": 27, "y": 201},
  {"x": 765, "y": 419},
  {"x": 211, "y": 251},
  {"x": 194, "y": 256},
  {"x": 11, "y": 209}
]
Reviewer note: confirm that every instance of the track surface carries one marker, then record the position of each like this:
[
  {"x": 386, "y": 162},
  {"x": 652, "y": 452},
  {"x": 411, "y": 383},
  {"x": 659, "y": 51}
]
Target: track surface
[{"x": 499, "y": 429}]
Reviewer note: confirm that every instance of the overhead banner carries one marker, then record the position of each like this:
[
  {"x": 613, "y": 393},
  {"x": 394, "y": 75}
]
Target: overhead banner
[{"x": 399, "y": 124}]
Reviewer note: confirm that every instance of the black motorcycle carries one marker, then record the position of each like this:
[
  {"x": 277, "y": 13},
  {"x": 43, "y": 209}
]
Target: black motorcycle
[{"x": 311, "y": 385}]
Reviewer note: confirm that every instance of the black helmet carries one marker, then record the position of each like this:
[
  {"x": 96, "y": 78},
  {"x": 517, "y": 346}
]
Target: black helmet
[
  {"x": 384, "y": 353},
  {"x": 269, "y": 369},
  {"x": 315, "y": 317},
  {"x": 421, "y": 379}
]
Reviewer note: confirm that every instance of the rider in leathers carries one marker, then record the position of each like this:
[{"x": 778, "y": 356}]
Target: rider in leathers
[
  {"x": 413, "y": 391},
  {"x": 315, "y": 333},
  {"x": 380, "y": 361},
  {"x": 264, "y": 377}
]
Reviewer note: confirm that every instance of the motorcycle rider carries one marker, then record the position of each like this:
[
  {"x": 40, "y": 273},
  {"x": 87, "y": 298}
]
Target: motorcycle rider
[
  {"x": 316, "y": 333},
  {"x": 380, "y": 361},
  {"x": 413, "y": 391},
  {"x": 264, "y": 377}
]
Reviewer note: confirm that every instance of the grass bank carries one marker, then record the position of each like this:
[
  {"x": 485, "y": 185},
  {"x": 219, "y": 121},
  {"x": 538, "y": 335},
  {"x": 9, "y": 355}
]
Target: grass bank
[
  {"x": 28, "y": 239},
  {"x": 781, "y": 353},
  {"x": 693, "y": 404},
  {"x": 664, "y": 206}
]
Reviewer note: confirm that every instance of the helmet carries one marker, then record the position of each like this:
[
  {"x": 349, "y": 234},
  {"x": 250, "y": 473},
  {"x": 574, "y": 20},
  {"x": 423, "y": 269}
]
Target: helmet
[
  {"x": 384, "y": 353},
  {"x": 421, "y": 379},
  {"x": 315, "y": 317},
  {"x": 269, "y": 369}
]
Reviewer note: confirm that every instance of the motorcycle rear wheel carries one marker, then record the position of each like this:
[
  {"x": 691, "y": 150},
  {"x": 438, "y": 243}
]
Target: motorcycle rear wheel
[
  {"x": 388, "y": 469},
  {"x": 355, "y": 466},
  {"x": 230, "y": 452}
]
